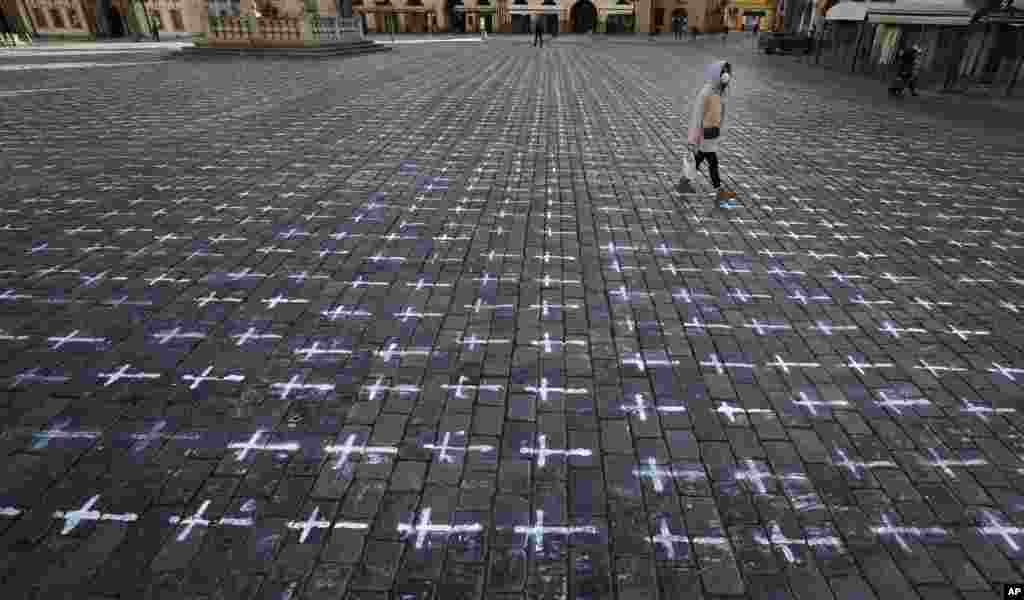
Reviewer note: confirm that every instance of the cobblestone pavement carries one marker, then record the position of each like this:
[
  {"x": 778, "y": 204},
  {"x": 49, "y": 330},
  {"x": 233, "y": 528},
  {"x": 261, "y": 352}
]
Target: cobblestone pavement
[{"x": 435, "y": 324}]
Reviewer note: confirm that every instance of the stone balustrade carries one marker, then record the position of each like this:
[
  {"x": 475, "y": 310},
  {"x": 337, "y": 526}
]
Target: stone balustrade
[{"x": 281, "y": 32}]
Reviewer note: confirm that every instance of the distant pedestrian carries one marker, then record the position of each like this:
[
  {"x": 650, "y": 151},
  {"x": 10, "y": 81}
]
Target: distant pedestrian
[
  {"x": 693, "y": 31},
  {"x": 154, "y": 28},
  {"x": 538, "y": 31},
  {"x": 706, "y": 121}
]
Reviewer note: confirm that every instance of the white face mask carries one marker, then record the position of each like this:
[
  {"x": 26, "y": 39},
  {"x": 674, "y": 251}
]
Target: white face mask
[{"x": 726, "y": 78}]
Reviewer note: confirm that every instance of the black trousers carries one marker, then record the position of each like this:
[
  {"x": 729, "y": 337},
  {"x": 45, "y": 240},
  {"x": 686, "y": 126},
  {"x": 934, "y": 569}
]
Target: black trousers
[
  {"x": 712, "y": 159},
  {"x": 538, "y": 37}
]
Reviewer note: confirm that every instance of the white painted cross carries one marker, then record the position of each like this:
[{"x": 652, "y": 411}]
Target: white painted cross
[
  {"x": 658, "y": 475},
  {"x": 445, "y": 447},
  {"x": 642, "y": 364},
  {"x": 936, "y": 369},
  {"x": 542, "y": 452},
  {"x": 246, "y": 273},
  {"x": 784, "y": 543},
  {"x": 344, "y": 451},
  {"x": 163, "y": 278},
  {"x": 250, "y": 334},
  {"x": 293, "y": 384},
  {"x": 253, "y": 443},
  {"x": 945, "y": 465},
  {"x": 473, "y": 341},
  {"x": 1007, "y": 533},
  {"x": 32, "y": 375},
  {"x": 856, "y": 466},
  {"x": 929, "y": 305},
  {"x": 73, "y": 518},
  {"x": 423, "y": 528},
  {"x": 72, "y": 338},
  {"x": 361, "y": 281},
  {"x": 695, "y": 323},
  {"x": 422, "y": 284},
  {"x": 859, "y": 367},
  {"x": 896, "y": 404},
  {"x": 7, "y": 337},
  {"x": 316, "y": 350},
  {"x": 547, "y": 257},
  {"x": 122, "y": 373},
  {"x": 548, "y": 344},
  {"x": 59, "y": 432},
  {"x": 887, "y": 528},
  {"x": 392, "y": 350},
  {"x": 983, "y": 411},
  {"x": 343, "y": 311},
  {"x": 279, "y": 299},
  {"x": 312, "y": 522},
  {"x": 197, "y": 380},
  {"x": 744, "y": 296},
  {"x": 460, "y": 387},
  {"x": 378, "y": 387},
  {"x": 666, "y": 539},
  {"x": 10, "y": 295},
  {"x": 545, "y": 307},
  {"x": 754, "y": 476},
  {"x": 544, "y": 390},
  {"x": 843, "y": 278},
  {"x": 538, "y": 530},
  {"x": 163, "y": 337},
  {"x": 410, "y": 313},
  {"x": 143, "y": 440},
  {"x": 720, "y": 367},
  {"x": 638, "y": 408},
  {"x": 1007, "y": 372},
  {"x": 963, "y": 334},
  {"x": 761, "y": 328},
  {"x": 784, "y": 366},
  {"x": 890, "y": 328},
  {"x": 488, "y": 278},
  {"x": 731, "y": 411},
  {"x": 812, "y": 405},
  {"x": 197, "y": 520}
]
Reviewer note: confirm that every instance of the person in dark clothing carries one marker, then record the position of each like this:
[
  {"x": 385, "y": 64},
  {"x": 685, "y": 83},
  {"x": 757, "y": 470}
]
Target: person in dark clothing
[
  {"x": 154, "y": 28},
  {"x": 538, "y": 31},
  {"x": 908, "y": 67}
]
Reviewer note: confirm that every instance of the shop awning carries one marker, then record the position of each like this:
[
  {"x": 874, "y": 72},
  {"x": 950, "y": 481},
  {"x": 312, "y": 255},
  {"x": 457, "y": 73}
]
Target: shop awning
[
  {"x": 847, "y": 11},
  {"x": 934, "y": 12}
]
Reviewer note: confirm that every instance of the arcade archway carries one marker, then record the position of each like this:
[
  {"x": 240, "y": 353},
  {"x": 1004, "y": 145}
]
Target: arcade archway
[
  {"x": 117, "y": 28},
  {"x": 583, "y": 16}
]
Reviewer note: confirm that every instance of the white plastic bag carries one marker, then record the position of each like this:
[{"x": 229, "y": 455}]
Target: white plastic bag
[{"x": 689, "y": 167}]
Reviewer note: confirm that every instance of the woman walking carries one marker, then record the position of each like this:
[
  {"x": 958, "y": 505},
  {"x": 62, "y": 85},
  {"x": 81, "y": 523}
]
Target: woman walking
[{"x": 707, "y": 120}]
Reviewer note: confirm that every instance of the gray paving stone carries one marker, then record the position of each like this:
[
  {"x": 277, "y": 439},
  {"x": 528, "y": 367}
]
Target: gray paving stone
[{"x": 251, "y": 261}]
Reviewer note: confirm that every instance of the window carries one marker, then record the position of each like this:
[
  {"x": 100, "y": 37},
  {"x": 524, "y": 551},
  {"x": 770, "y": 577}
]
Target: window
[
  {"x": 76, "y": 23},
  {"x": 56, "y": 18},
  {"x": 179, "y": 23},
  {"x": 659, "y": 17}
]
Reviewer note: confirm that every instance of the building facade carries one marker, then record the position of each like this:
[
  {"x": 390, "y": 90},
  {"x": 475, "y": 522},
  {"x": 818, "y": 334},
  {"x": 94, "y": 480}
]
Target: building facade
[
  {"x": 103, "y": 18},
  {"x": 117, "y": 18}
]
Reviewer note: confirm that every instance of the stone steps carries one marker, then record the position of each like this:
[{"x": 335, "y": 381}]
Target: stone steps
[{"x": 344, "y": 49}]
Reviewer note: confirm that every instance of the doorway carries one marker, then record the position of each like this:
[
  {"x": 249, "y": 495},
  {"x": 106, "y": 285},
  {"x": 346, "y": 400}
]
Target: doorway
[
  {"x": 583, "y": 16},
  {"x": 116, "y": 23}
]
